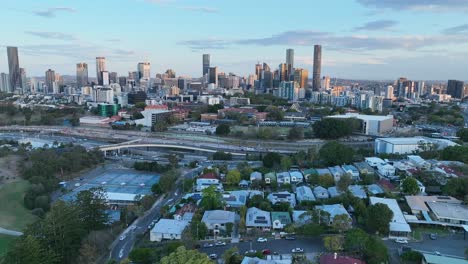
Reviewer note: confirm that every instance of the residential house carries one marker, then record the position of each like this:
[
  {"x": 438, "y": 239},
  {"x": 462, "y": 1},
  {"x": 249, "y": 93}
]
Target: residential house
[
  {"x": 399, "y": 228},
  {"x": 270, "y": 177},
  {"x": 436, "y": 259},
  {"x": 419, "y": 162},
  {"x": 282, "y": 197},
  {"x": 216, "y": 220},
  {"x": 334, "y": 191},
  {"x": 255, "y": 176},
  {"x": 309, "y": 173},
  {"x": 364, "y": 168},
  {"x": 256, "y": 218},
  {"x": 185, "y": 212},
  {"x": 357, "y": 191},
  {"x": 168, "y": 229},
  {"x": 323, "y": 172},
  {"x": 334, "y": 210},
  {"x": 456, "y": 214},
  {"x": 352, "y": 171},
  {"x": 386, "y": 170},
  {"x": 283, "y": 178},
  {"x": 207, "y": 180},
  {"x": 304, "y": 193},
  {"x": 320, "y": 192},
  {"x": 280, "y": 220},
  {"x": 337, "y": 172},
  {"x": 374, "y": 189},
  {"x": 301, "y": 217},
  {"x": 252, "y": 193},
  {"x": 235, "y": 199},
  {"x": 244, "y": 184},
  {"x": 417, "y": 203},
  {"x": 296, "y": 176},
  {"x": 374, "y": 161},
  {"x": 255, "y": 260}
]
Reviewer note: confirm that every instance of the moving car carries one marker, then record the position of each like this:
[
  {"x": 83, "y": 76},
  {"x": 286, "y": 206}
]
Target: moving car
[
  {"x": 220, "y": 243},
  {"x": 401, "y": 241},
  {"x": 297, "y": 250},
  {"x": 262, "y": 240},
  {"x": 122, "y": 237},
  {"x": 213, "y": 256},
  {"x": 266, "y": 252},
  {"x": 207, "y": 245},
  {"x": 433, "y": 236},
  {"x": 290, "y": 238}
]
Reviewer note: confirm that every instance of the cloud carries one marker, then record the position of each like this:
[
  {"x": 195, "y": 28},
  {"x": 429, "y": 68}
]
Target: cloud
[
  {"x": 202, "y": 9},
  {"x": 332, "y": 41},
  {"x": 461, "y": 29},
  {"x": 51, "y": 12},
  {"x": 51, "y": 35},
  {"x": 377, "y": 25},
  {"x": 418, "y": 5},
  {"x": 114, "y": 40}
]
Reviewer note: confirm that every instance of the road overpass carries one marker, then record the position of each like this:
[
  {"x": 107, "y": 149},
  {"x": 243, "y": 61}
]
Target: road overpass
[{"x": 127, "y": 145}]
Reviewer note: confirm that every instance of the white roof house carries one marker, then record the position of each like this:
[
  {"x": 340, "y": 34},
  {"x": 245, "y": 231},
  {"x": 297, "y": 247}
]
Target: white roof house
[
  {"x": 296, "y": 176},
  {"x": 334, "y": 210},
  {"x": 374, "y": 161},
  {"x": 336, "y": 172},
  {"x": 168, "y": 229},
  {"x": 256, "y": 218},
  {"x": 283, "y": 177},
  {"x": 304, "y": 193},
  {"x": 255, "y": 176},
  {"x": 386, "y": 170},
  {"x": 282, "y": 197},
  {"x": 334, "y": 192},
  {"x": 398, "y": 225},
  {"x": 320, "y": 192},
  {"x": 358, "y": 191}
]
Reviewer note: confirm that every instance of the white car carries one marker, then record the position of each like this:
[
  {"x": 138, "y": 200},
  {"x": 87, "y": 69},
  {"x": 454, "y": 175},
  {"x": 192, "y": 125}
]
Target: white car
[
  {"x": 213, "y": 256},
  {"x": 122, "y": 237},
  {"x": 297, "y": 250},
  {"x": 262, "y": 240},
  {"x": 401, "y": 241}
]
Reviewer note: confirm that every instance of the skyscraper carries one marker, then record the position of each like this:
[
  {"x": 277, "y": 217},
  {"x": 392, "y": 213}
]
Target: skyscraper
[
  {"x": 389, "y": 92},
  {"x": 81, "y": 74},
  {"x": 100, "y": 67},
  {"x": 317, "y": 68},
  {"x": 144, "y": 70},
  {"x": 113, "y": 77},
  {"x": 213, "y": 75},
  {"x": 13, "y": 64},
  {"x": 283, "y": 72},
  {"x": 258, "y": 70},
  {"x": 456, "y": 89},
  {"x": 206, "y": 64},
  {"x": 301, "y": 76},
  {"x": 49, "y": 80},
  {"x": 290, "y": 64},
  {"x": 23, "y": 80},
  {"x": 4, "y": 82}
]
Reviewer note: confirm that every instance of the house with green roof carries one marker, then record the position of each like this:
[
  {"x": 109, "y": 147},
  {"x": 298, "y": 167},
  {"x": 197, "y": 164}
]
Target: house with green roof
[
  {"x": 270, "y": 177},
  {"x": 280, "y": 220}
]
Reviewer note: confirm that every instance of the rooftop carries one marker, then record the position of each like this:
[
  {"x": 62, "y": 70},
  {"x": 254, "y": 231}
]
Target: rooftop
[
  {"x": 218, "y": 216},
  {"x": 170, "y": 226},
  {"x": 418, "y": 202},
  {"x": 398, "y": 222},
  {"x": 283, "y": 217},
  {"x": 434, "y": 259},
  {"x": 364, "y": 117},
  {"x": 332, "y": 259},
  {"x": 449, "y": 210}
]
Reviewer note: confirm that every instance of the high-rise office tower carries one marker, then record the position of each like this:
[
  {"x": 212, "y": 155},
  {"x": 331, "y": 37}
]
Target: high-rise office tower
[
  {"x": 113, "y": 77},
  {"x": 266, "y": 67},
  {"x": 100, "y": 67},
  {"x": 206, "y": 64},
  {"x": 49, "y": 80},
  {"x": 81, "y": 74},
  {"x": 4, "y": 82},
  {"x": 301, "y": 76},
  {"x": 170, "y": 73},
  {"x": 23, "y": 79},
  {"x": 290, "y": 64},
  {"x": 122, "y": 81},
  {"x": 389, "y": 92},
  {"x": 105, "y": 78},
  {"x": 456, "y": 89},
  {"x": 317, "y": 68},
  {"x": 283, "y": 72},
  {"x": 213, "y": 75},
  {"x": 13, "y": 65},
  {"x": 144, "y": 70},
  {"x": 258, "y": 70},
  {"x": 326, "y": 82}
]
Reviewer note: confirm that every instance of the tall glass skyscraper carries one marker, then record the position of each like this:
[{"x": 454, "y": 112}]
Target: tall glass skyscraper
[
  {"x": 100, "y": 67},
  {"x": 317, "y": 68},
  {"x": 81, "y": 74},
  {"x": 144, "y": 70},
  {"x": 206, "y": 63},
  {"x": 13, "y": 64}
]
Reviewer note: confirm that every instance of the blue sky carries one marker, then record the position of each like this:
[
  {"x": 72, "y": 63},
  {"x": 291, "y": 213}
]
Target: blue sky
[{"x": 365, "y": 39}]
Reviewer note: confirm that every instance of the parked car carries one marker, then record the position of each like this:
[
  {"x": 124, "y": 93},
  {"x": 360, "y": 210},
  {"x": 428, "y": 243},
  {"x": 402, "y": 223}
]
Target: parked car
[
  {"x": 213, "y": 256},
  {"x": 433, "y": 236},
  {"x": 220, "y": 243},
  {"x": 262, "y": 240},
  {"x": 266, "y": 252},
  {"x": 401, "y": 241},
  {"x": 297, "y": 250},
  {"x": 290, "y": 238},
  {"x": 251, "y": 252},
  {"x": 122, "y": 237},
  {"x": 207, "y": 245}
]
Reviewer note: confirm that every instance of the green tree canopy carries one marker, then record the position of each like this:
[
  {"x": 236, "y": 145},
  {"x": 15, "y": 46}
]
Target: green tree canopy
[
  {"x": 463, "y": 134},
  {"x": 410, "y": 186},
  {"x": 183, "y": 256},
  {"x": 271, "y": 159},
  {"x": 334, "y": 153},
  {"x": 233, "y": 177},
  {"x": 378, "y": 218},
  {"x": 223, "y": 130},
  {"x": 333, "y": 128},
  {"x": 91, "y": 206}
]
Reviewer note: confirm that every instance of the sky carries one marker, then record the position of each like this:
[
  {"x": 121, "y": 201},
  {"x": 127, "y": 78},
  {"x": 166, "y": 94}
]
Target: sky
[{"x": 361, "y": 39}]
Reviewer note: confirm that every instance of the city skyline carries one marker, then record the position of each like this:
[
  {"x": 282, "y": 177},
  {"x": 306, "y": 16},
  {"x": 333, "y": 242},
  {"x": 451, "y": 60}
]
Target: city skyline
[{"x": 359, "y": 40}]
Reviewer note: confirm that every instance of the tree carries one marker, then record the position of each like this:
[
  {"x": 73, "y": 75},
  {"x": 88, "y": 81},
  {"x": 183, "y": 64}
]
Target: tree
[
  {"x": 457, "y": 187},
  {"x": 223, "y": 130},
  {"x": 233, "y": 177},
  {"x": 410, "y": 186},
  {"x": 88, "y": 254},
  {"x": 274, "y": 113},
  {"x": 333, "y": 243},
  {"x": 378, "y": 218},
  {"x": 296, "y": 133},
  {"x": 29, "y": 250},
  {"x": 375, "y": 251},
  {"x": 341, "y": 222},
  {"x": 271, "y": 159},
  {"x": 211, "y": 199},
  {"x": 168, "y": 179},
  {"x": 344, "y": 182},
  {"x": 286, "y": 162},
  {"x": 142, "y": 256},
  {"x": 334, "y": 153},
  {"x": 232, "y": 256},
  {"x": 356, "y": 240},
  {"x": 173, "y": 160},
  {"x": 463, "y": 134},
  {"x": 326, "y": 180},
  {"x": 183, "y": 256},
  {"x": 220, "y": 155},
  {"x": 229, "y": 227},
  {"x": 455, "y": 153},
  {"x": 91, "y": 206},
  {"x": 156, "y": 188},
  {"x": 333, "y": 128}
]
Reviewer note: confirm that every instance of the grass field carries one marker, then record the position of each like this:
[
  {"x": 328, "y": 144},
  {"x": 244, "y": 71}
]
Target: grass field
[
  {"x": 13, "y": 214},
  {"x": 5, "y": 242}
]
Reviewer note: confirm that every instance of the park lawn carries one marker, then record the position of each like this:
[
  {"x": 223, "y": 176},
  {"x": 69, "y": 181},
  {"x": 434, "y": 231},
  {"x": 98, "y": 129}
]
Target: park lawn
[
  {"x": 13, "y": 214},
  {"x": 5, "y": 242}
]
